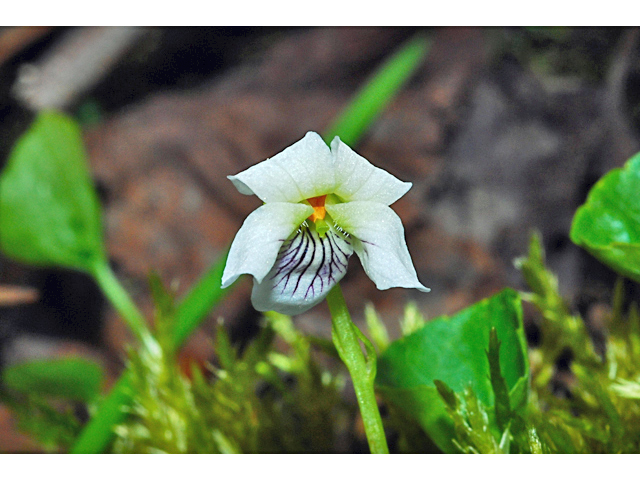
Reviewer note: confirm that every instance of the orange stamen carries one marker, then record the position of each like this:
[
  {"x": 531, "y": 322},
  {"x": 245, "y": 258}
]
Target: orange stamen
[{"x": 318, "y": 207}]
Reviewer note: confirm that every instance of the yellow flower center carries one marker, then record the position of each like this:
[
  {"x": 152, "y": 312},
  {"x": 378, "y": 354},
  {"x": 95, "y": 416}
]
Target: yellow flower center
[{"x": 319, "y": 211}]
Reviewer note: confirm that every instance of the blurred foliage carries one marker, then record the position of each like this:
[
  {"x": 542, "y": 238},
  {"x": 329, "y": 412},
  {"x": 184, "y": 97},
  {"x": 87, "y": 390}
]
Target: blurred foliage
[
  {"x": 46, "y": 397},
  {"x": 50, "y": 216},
  {"x": 561, "y": 329},
  {"x": 260, "y": 400},
  {"x": 49, "y": 209},
  {"x": 73, "y": 378},
  {"x": 571, "y": 52},
  {"x": 51, "y": 423},
  {"x": 594, "y": 415}
]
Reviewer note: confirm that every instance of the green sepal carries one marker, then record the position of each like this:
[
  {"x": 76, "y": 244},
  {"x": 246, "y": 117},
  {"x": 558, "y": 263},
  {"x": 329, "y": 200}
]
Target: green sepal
[{"x": 322, "y": 227}]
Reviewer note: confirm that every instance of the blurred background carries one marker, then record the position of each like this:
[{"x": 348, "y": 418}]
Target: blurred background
[{"x": 501, "y": 130}]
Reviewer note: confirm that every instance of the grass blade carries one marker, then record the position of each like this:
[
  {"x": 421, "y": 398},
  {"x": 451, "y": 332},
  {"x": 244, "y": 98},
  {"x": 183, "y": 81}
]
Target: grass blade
[{"x": 376, "y": 94}]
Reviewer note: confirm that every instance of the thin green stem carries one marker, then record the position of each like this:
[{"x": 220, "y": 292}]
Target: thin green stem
[
  {"x": 122, "y": 302},
  {"x": 97, "y": 434},
  {"x": 362, "y": 370}
]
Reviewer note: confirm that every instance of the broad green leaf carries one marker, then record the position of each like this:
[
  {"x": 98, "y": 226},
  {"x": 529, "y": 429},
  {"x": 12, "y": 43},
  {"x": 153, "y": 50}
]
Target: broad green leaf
[
  {"x": 49, "y": 210},
  {"x": 454, "y": 351},
  {"x": 71, "y": 378},
  {"x": 608, "y": 224}
]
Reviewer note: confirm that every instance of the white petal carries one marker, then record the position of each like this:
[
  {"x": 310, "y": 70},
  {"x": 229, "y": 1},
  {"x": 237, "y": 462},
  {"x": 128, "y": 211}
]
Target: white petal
[
  {"x": 378, "y": 239},
  {"x": 359, "y": 180},
  {"x": 306, "y": 269},
  {"x": 301, "y": 171},
  {"x": 255, "y": 248}
]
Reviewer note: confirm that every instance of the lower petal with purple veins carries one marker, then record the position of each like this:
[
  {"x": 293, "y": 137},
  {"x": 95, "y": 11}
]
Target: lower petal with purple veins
[{"x": 307, "y": 267}]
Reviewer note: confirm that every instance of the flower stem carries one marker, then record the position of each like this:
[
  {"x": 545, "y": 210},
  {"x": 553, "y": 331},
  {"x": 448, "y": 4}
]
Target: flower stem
[
  {"x": 346, "y": 336},
  {"x": 122, "y": 302}
]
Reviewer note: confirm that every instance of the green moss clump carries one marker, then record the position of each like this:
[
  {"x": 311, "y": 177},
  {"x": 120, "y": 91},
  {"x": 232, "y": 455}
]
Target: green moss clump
[{"x": 259, "y": 401}]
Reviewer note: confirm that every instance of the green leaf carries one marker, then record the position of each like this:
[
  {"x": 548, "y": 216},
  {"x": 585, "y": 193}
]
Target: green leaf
[
  {"x": 97, "y": 434},
  {"x": 608, "y": 224},
  {"x": 453, "y": 350},
  {"x": 49, "y": 210},
  {"x": 71, "y": 378},
  {"x": 162, "y": 299}
]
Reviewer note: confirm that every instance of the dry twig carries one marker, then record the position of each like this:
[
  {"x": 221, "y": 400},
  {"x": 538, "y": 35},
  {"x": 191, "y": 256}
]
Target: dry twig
[
  {"x": 73, "y": 66},
  {"x": 12, "y": 295}
]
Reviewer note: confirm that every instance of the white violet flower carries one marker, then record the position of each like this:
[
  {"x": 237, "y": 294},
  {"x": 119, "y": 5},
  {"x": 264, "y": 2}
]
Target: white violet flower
[{"x": 320, "y": 205}]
